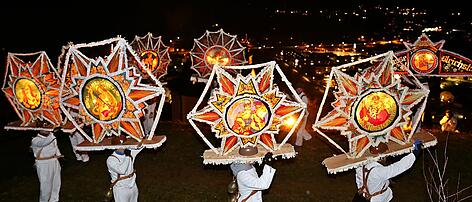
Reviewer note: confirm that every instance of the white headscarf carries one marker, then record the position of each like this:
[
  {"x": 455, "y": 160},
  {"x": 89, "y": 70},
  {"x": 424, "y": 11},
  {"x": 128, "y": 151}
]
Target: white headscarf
[{"x": 238, "y": 167}]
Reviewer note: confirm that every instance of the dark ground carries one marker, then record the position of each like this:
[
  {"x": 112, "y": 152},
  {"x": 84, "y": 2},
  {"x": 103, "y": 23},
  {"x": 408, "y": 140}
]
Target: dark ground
[{"x": 175, "y": 172}]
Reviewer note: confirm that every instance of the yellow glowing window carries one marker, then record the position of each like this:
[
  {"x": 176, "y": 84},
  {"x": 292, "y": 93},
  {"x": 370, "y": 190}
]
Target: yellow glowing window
[
  {"x": 28, "y": 93},
  {"x": 102, "y": 99}
]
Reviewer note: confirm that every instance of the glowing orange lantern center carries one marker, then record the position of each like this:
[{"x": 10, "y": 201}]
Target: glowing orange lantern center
[
  {"x": 28, "y": 93},
  {"x": 424, "y": 61},
  {"x": 102, "y": 99},
  {"x": 150, "y": 59},
  {"x": 247, "y": 116},
  {"x": 376, "y": 111},
  {"x": 217, "y": 55}
]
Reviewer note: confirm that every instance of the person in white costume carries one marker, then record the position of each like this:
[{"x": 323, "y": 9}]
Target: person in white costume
[
  {"x": 75, "y": 139},
  {"x": 123, "y": 178},
  {"x": 249, "y": 183},
  {"x": 373, "y": 179},
  {"x": 302, "y": 133},
  {"x": 149, "y": 117},
  {"x": 46, "y": 153}
]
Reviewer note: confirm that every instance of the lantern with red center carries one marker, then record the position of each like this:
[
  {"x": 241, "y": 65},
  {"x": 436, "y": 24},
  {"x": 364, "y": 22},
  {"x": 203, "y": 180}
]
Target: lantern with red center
[
  {"x": 246, "y": 112},
  {"x": 371, "y": 109}
]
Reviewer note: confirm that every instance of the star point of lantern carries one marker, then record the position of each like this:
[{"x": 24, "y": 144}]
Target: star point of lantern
[
  {"x": 216, "y": 48},
  {"x": 33, "y": 88},
  {"x": 246, "y": 110},
  {"x": 424, "y": 41},
  {"x": 107, "y": 93},
  {"x": 371, "y": 107}
]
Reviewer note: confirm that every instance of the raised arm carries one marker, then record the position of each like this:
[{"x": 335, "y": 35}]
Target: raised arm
[
  {"x": 396, "y": 168},
  {"x": 257, "y": 183}
]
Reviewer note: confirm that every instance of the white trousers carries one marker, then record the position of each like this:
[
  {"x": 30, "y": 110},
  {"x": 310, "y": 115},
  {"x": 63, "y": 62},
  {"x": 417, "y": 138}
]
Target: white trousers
[
  {"x": 302, "y": 133},
  {"x": 126, "y": 194},
  {"x": 49, "y": 174}
]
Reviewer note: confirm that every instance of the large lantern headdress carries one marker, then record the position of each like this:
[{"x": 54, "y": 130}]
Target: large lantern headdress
[
  {"x": 107, "y": 94},
  {"x": 32, "y": 85},
  {"x": 153, "y": 54},
  {"x": 372, "y": 109},
  {"x": 216, "y": 48},
  {"x": 247, "y": 111}
]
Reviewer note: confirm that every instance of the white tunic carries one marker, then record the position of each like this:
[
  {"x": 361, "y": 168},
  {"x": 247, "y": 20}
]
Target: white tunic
[
  {"x": 49, "y": 171},
  {"x": 248, "y": 180},
  {"x": 380, "y": 175},
  {"x": 122, "y": 165}
]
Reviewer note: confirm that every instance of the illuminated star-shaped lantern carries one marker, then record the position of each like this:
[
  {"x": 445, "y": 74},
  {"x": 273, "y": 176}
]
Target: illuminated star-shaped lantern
[
  {"x": 216, "y": 48},
  {"x": 371, "y": 108},
  {"x": 153, "y": 54},
  {"x": 32, "y": 87},
  {"x": 107, "y": 93},
  {"x": 423, "y": 55},
  {"x": 246, "y": 111}
]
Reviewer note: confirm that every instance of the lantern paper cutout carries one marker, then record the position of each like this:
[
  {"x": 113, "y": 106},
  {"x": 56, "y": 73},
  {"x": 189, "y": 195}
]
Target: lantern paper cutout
[
  {"x": 372, "y": 107},
  {"x": 153, "y": 54},
  {"x": 216, "y": 48},
  {"x": 32, "y": 86},
  {"x": 106, "y": 93},
  {"x": 246, "y": 111}
]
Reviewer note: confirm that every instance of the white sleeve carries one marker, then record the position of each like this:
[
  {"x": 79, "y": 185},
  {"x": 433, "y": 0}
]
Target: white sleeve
[
  {"x": 396, "y": 168},
  {"x": 257, "y": 183},
  {"x": 116, "y": 166},
  {"x": 135, "y": 152},
  {"x": 42, "y": 142}
]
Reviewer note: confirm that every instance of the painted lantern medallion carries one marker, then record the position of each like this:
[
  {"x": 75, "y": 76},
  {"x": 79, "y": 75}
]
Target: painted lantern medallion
[
  {"x": 376, "y": 111},
  {"x": 424, "y": 61},
  {"x": 27, "y": 93},
  {"x": 247, "y": 116},
  {"x": 150, "y": 59},
  {"x": 102, "y": 99},
  {"x": 217, "y": 55}
]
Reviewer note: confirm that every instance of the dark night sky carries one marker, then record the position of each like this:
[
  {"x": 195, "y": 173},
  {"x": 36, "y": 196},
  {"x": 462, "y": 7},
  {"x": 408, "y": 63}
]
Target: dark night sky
[{"x": 46, "y": 25}]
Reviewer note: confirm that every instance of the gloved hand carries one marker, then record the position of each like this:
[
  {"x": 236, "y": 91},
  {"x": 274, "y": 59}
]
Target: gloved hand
[
  {"x": 128, "y": 152},
  {"x": 417, "y": 147},
  {"x": 268, "y": 159},
  {"x": 56, "y": 129}
]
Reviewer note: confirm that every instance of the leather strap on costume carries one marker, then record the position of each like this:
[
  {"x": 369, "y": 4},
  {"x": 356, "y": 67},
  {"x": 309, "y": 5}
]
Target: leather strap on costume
[
  {"x": 247, "y": 198},
  {"x": 364, "y": 190},
  {"x": 122, "y": 178},
  {"x": 47, "y": 158},
  {"x": 119, "y": 178}
]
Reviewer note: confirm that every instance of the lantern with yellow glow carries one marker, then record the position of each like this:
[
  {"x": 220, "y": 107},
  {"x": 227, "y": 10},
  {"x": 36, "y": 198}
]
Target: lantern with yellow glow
[
  {"x": 153, "y": 54},
  {"x": 32, "y": 87},
  {"x": 107, "y": 94},
  {"x": 216, "y": 48}
]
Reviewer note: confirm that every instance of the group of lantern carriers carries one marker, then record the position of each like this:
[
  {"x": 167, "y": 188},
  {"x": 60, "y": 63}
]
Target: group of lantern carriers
[{"x": 372, "y": 179}]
